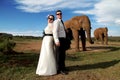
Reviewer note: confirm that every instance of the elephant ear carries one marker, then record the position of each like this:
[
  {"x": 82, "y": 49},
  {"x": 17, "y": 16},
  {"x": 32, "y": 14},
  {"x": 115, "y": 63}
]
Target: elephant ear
[
  {"x": 75, "y": 23},
  {"x": 85, "y": 22},
  {"x": 67, "y": 24}
]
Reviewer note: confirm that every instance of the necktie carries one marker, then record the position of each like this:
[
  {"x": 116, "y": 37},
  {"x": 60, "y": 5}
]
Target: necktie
[{"x": 63, "y": 24}]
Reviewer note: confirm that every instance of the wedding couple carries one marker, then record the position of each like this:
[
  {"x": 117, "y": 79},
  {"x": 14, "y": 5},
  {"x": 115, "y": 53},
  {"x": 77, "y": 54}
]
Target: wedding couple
[{"x": 52, "y": 55}]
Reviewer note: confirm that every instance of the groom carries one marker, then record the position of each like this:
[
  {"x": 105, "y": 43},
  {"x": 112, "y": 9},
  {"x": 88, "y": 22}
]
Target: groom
[{"x": 59, "y": 35}]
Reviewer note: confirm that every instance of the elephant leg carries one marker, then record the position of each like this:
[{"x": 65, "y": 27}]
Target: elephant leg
[
  {"x": 106, "y": 40},
  {"x": 76, "y": 39},
  {"x": 83, "y": 39},
  {"x": 96, "y": 37},
  {"x": 101, "y": 38}
]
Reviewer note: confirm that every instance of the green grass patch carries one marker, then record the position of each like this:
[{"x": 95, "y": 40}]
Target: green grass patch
[{"x": 103, "y": 65}]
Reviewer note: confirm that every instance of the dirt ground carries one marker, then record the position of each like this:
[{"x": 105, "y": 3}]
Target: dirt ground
[{"x": 35, "y": 46}]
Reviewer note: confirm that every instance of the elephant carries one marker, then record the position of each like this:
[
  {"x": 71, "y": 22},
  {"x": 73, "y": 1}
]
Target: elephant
[
  {"x": 79, "y": 25},
  {"x": 102, "y": 34}
]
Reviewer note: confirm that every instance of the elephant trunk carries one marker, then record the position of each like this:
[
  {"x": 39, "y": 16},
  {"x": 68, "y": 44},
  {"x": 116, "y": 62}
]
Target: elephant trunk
[{"x": 89, "y": 36}]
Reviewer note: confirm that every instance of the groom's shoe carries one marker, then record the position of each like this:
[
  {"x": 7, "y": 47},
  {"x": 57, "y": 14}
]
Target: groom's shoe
[{"x": 64, "y": 72}]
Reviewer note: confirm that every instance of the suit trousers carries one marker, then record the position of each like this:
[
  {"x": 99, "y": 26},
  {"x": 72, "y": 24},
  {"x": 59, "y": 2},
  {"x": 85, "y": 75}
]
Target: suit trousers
[{"x": 60, "y": 55}]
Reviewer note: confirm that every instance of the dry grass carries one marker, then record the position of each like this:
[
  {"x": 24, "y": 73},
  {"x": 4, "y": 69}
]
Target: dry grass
[
  {"x": 35, "y": 46},
  {"x": 25, "y": 46}
]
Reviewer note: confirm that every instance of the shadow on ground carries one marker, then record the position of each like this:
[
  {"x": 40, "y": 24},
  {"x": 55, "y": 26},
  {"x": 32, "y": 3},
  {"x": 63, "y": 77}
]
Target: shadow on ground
[
  {"x": 108, "y": 48},
  {"x": 93, "y": 66}
]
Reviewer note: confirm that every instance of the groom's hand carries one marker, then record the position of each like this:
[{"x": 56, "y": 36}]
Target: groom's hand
[{"x": 57, "y": 43}]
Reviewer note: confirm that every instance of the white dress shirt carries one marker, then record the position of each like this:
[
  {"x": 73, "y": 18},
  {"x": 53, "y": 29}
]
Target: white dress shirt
[{"x": 58, "y": 30}]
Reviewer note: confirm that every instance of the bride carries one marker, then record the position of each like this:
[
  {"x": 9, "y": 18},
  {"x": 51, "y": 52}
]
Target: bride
[{"x": 47, "y": 63}]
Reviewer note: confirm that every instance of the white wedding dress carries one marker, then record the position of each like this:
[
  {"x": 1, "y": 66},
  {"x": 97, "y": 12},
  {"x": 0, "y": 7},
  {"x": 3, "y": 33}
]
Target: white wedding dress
[{"x": 47, "y": 63}]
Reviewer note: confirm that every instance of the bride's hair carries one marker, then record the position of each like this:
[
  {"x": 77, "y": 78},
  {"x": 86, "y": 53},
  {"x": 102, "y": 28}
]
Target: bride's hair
[{"x": 51, "y": 15}]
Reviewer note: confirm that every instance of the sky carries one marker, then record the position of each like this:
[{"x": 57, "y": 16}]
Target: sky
[{"x": 29, "y": 17}]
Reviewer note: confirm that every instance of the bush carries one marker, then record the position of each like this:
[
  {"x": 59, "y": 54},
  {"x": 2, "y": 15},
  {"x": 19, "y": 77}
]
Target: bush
[{"x": 6, "y": 45}]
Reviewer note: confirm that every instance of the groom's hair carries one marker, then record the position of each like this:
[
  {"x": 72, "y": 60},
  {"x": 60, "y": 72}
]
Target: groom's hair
[{"x": 58, "y": 11}]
